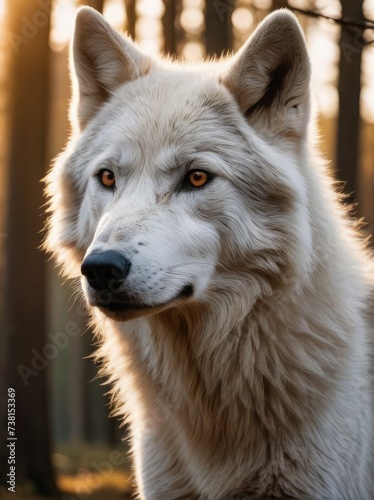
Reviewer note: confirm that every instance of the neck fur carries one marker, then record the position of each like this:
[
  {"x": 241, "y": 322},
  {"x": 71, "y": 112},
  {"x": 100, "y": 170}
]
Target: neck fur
[{"x": 275, "y": 363}]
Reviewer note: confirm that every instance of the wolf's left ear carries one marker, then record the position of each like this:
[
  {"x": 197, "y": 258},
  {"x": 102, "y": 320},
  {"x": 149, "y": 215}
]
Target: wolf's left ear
[
  {"x": 102, "y": 61},
  {"x": 270, "y": 77}
]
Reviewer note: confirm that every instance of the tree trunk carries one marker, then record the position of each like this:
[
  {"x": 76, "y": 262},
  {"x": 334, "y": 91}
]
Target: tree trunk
[
  {"x": 218, "y": 30},
  {"x": 131, "y": 17},
  {"x": 27, "y": 44},
  {"x": 168, "y": 22},
  {"x": 279, "y": 4},
  {"x": 96, "y": 4},
  {"x": 348, "y": 133}
]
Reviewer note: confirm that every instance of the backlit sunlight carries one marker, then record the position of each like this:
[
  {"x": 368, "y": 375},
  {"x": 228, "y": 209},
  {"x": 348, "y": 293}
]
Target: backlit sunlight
[
  {"x": 115, "y": 13},
  {"x": 63, "y": 14},
  {"x": 322, "y": 37}
]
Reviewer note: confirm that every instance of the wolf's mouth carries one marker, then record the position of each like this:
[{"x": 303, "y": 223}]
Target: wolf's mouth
[{"x": 123, "y": 311}]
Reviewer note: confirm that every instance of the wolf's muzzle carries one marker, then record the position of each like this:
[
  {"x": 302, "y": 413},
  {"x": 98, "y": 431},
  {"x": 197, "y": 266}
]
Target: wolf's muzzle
[{"x": 105, "y": 270}]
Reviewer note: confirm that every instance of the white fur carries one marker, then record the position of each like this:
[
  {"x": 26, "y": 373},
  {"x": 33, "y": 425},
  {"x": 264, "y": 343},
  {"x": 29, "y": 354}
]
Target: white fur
[{"x": 258, "y": 385}]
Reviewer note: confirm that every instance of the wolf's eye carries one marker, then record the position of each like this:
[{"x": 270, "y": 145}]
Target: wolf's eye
[
  {"x": 197, "y": 178},
  {"x": 107, "y": 178}
]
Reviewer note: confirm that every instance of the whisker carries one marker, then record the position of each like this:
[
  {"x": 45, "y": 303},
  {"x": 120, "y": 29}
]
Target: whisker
[{"x": 182, "y": 264}]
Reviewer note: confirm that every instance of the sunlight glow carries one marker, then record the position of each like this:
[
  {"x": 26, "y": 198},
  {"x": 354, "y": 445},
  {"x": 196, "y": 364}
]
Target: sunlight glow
[
  {"x": 150, "y": 8},
  {"x": 331, "y": 8},
  {"x": 367, "y": 104},
  {"x": 322, "y": 37},
  {"x": 148, "y": 27},
  {"x": 242, "y": 19},
  {"x": 367, "y": 90},
  {"x": 324, "y": 55},
  {"x": 196, "y": 4},
  {"x": 327, "y": 7},
  {"x": 115, "y": 13},
  {"x": 193, "y": 51},
  {"x": 368, "y": 8},
  {"x": 262, "y": 4},
  {"x": 63, "y": 14},
  {"x": 192, "y": 20},
  {"x": 149, "y": 46}
]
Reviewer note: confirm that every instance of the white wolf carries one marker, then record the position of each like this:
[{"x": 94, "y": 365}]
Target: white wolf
[{"x": 227, "y": 285}]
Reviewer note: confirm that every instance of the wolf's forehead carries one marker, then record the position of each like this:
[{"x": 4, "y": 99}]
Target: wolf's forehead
[
  {"x": 167, "y": 122},
  {"x": 173, "y": 109}
]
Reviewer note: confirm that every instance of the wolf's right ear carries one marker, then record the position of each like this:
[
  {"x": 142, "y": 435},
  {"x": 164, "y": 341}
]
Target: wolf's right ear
[{"x": 102, "y": 60}]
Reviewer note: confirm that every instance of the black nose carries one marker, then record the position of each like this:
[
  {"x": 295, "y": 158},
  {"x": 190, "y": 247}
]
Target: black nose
[{"x": 105, "y": 270}]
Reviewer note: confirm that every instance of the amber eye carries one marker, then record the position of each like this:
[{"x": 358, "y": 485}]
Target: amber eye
[
  {"x": 107, "y": 178},
  {"x": 197, "y": 178}
]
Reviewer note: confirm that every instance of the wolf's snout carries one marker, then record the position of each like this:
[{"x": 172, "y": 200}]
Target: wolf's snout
[{"x": 105, "y": 270}]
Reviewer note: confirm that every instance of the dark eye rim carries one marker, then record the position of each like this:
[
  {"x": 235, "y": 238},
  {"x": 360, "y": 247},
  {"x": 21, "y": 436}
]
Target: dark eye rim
[
  {"x": 187, "y": 184},
  {"x": 99, "y": 177}
]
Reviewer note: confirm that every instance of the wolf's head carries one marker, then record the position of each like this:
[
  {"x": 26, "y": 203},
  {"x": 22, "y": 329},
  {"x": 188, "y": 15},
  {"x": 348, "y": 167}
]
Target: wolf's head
[{"x": 179, "y": 177}]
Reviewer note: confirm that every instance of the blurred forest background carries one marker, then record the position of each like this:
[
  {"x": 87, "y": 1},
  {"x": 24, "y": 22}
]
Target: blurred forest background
[{"x": 66, "y": 444}]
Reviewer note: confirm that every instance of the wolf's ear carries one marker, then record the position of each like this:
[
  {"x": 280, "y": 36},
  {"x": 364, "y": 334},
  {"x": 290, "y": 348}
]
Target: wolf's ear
[
  {"x": 270, "y": 77},
  {"x": 102, "y": 60}
]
